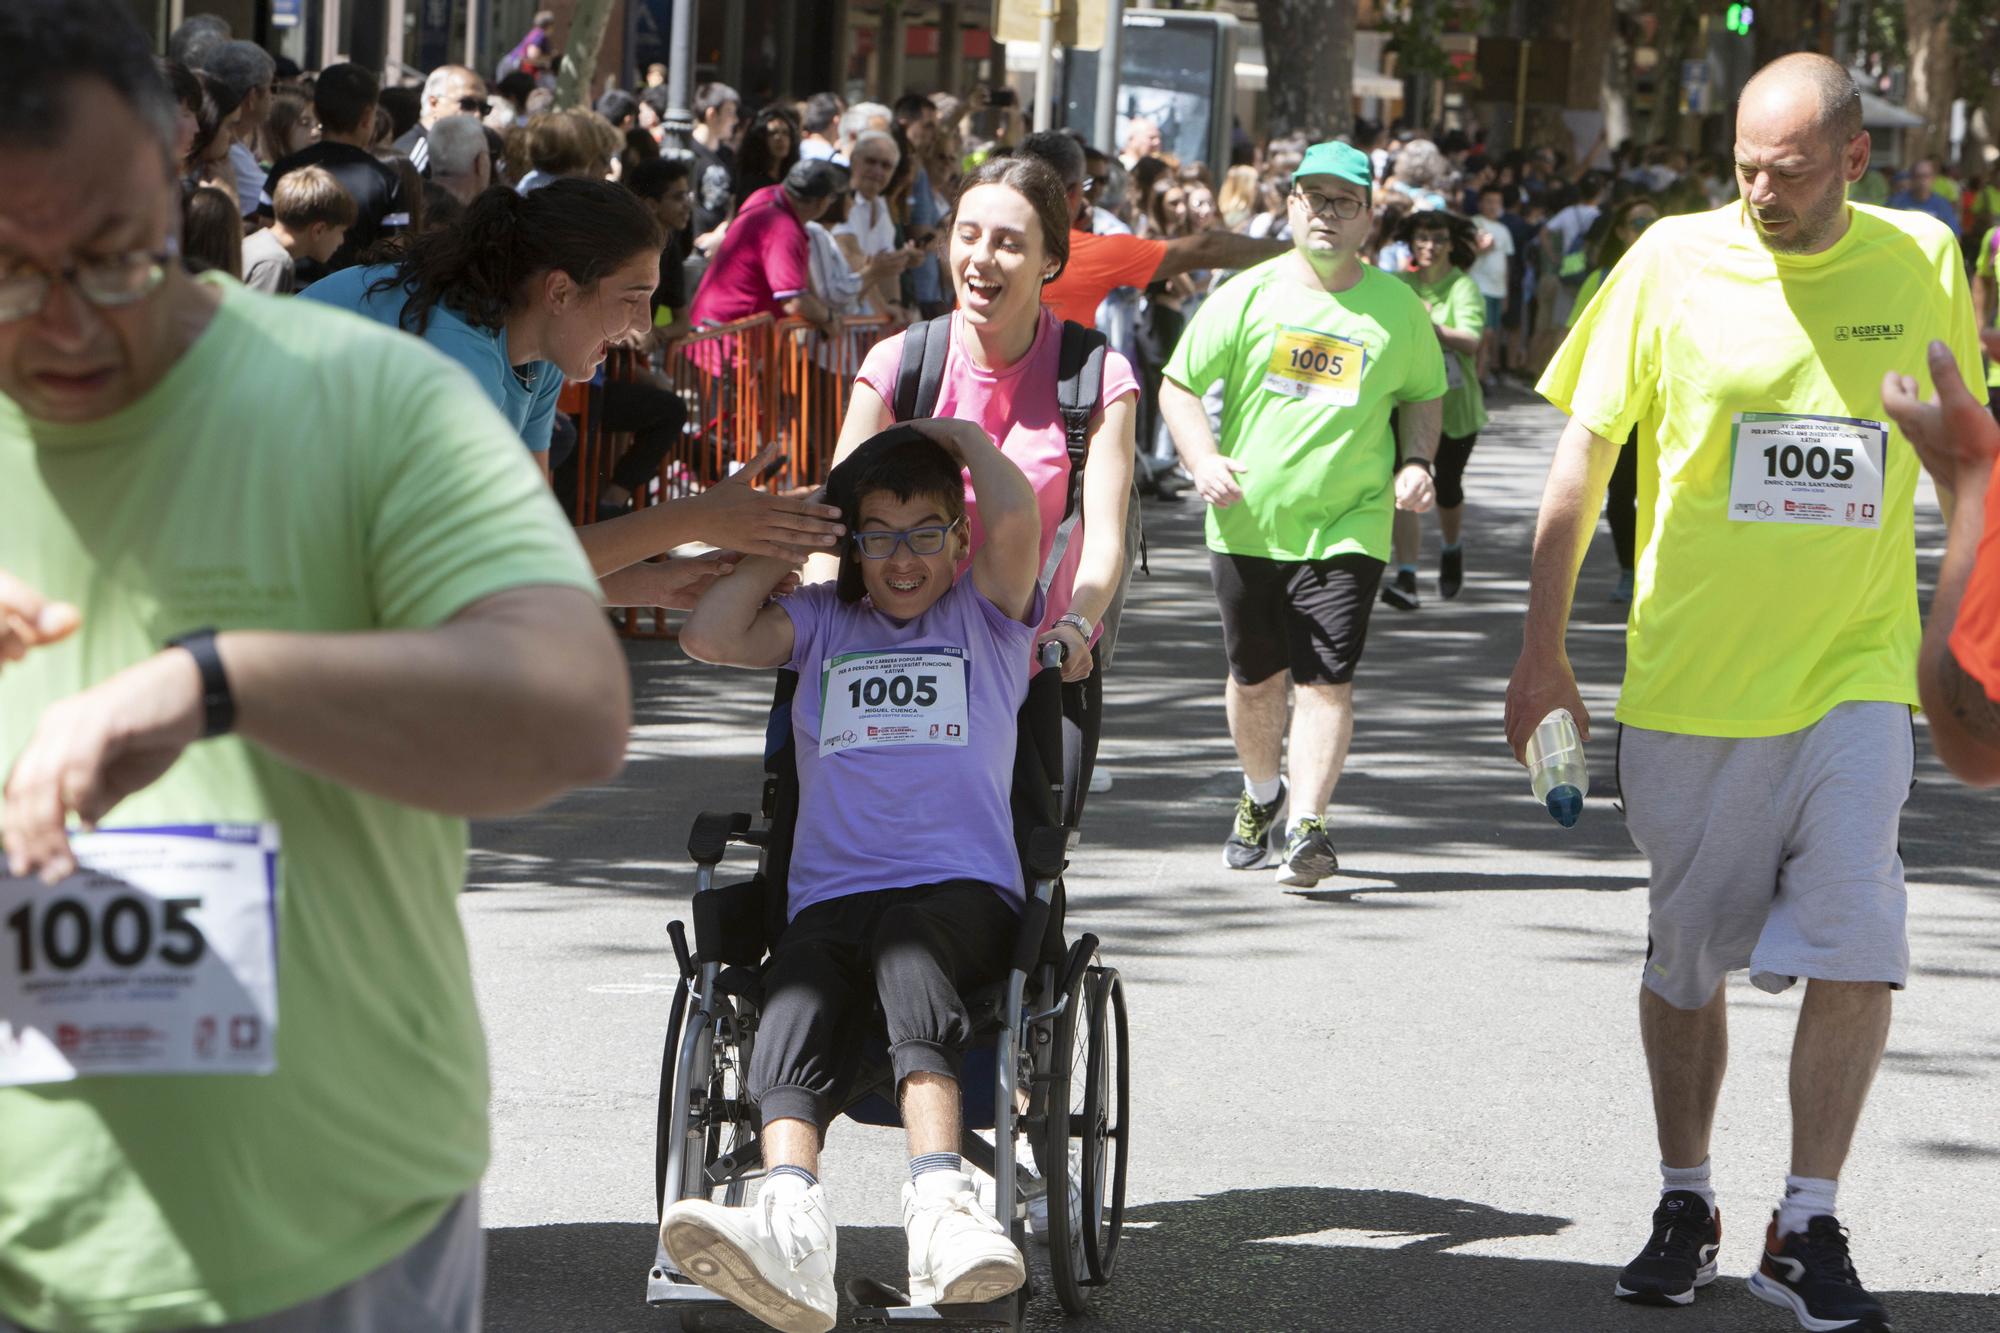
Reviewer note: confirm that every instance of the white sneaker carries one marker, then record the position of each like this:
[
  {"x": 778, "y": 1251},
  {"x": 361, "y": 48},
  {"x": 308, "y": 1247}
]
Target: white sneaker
[
  {"x": 1100, "y": 780},
  {"x": 1038, "y": 1207},
  {"x": 773, "y": 1258},
  {"x": 959, "y": 1254}
]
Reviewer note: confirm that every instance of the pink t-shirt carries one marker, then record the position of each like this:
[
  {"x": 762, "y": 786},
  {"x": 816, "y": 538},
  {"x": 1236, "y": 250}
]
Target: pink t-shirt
[
  {"x": 762, "y": 264},
  {"x": 1017, "y": 407}
]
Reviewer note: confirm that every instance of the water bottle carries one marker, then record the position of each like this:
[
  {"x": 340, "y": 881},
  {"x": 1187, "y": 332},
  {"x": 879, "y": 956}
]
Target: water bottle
[{"x": 1557, "y": 769}]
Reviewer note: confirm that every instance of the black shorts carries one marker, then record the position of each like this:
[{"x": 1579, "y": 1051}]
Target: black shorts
[{"x": 1309, "y": 617}]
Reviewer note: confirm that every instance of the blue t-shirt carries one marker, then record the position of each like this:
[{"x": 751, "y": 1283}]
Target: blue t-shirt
[
  {"x": 905, "y": 735},
  {"x": 1936, "y": 205},
  {"x": 530, "y": 404}
]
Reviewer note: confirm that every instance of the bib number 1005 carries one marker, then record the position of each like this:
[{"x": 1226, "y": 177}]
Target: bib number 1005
[
  {"x": 901, "y": 691},
  {"x": 1792, "y": 462},
  {"x": 62, "y": 937},
  {"x": 1317, "y": 361}
]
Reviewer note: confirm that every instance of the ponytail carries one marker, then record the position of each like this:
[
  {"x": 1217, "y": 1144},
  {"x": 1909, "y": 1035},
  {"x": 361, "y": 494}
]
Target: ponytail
[{"x": 585, "y": 228}]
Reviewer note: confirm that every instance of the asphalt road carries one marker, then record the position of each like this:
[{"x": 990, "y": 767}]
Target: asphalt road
[{"x": 1412, "y": 1099}]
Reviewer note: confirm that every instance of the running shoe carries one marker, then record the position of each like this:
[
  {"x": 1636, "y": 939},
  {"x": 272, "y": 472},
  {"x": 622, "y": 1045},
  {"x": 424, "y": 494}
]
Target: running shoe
[
  {"x": 1679, "y": 1257},
  {"x": 1810, "y": 1274},
  {"x": 1621, "y": 591},
  {"x": 1309, "y": 855},
  {"x": 1451, "y": 572},
  {"x": 1401, "y": 591},
  {"x": 1249, "y": 844}
]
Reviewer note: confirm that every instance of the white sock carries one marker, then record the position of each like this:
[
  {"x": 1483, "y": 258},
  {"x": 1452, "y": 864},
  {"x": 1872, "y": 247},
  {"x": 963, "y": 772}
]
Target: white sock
[
  {"x": 1409, "y": 568},
  {"x": 1806, "y": 1197},
  {"x": 1301, "y": 817},
  {"x": 1263, "y": 793},
  {"x": 1693, "y": 1179},
  {"x": 1451, "y": 546}
]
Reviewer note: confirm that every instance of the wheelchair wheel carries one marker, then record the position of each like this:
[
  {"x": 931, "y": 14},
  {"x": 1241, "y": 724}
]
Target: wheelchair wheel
[
  {"x": 711, "y": 1118},
  {"x": 1060, "y": 1151},
  {"x": 1107, "y": 1102}
]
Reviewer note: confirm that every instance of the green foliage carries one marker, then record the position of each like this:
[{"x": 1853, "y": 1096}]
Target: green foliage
[{"x": 1415, "y": 27}]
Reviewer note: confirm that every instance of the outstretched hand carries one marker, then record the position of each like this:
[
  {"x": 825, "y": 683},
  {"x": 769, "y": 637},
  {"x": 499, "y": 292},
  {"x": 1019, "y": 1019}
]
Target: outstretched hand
[
  {"x": 736, "y": 516},
  {"x": 1953, "y": 434},
  {"x": 28, "y": 620}
]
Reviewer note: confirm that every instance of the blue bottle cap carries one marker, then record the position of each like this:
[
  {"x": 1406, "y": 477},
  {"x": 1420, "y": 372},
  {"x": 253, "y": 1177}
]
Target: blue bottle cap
[{"x": 1565, "y": 804}]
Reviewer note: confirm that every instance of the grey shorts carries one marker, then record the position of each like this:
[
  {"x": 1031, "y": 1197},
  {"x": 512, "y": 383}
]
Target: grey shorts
[
  {"x": 1776, "y": 853},
  {"x": 435, "y": 1286}
]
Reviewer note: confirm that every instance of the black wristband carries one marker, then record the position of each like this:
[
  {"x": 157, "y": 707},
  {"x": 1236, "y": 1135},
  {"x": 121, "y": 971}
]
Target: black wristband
[
  {"x": 1424, "y": 463},
  {"x": 218, "y": 705}
]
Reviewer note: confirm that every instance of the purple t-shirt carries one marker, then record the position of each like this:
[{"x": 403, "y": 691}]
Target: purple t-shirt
[{"x": 905, "y": 735}]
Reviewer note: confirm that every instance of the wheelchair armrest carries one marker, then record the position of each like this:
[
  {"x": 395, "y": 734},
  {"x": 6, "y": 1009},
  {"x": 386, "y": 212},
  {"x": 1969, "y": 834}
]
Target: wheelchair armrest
[
  {"x": 1048, "y": 851},
  {"x": 713, "y": 831}
]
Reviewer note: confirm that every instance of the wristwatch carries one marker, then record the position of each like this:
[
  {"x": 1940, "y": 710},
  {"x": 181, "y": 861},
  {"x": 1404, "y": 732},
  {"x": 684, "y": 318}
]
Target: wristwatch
[
  {"x": 1076, "y": 621},
  {"x": 218, "y": 705},
  {"x": 1424, "y": 463}
]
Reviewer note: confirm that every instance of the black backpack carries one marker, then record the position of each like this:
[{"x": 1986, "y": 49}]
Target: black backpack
[{"x": 1079, "y": 383}]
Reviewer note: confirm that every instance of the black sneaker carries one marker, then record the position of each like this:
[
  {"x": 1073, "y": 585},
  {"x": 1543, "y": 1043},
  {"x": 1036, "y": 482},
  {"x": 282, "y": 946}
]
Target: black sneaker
[
  {"x": 1810, "y": 1274},
  {"x": 1679, "y": 1257},
  {"x": 1309, "y": 855},
  {"x": 1401, "y": 591},
  {"x": 1451, "y": 572},
  {"x": 1249, "y": 844}
]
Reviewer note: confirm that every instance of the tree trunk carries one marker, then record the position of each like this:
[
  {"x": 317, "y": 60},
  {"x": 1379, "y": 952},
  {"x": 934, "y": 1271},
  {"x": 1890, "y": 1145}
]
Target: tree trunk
[
  {"x": 579, "y": 62},
  {"x": 1309, "y": 52},
  {"x": 1932, "y": 74},
  {"x": 1679, "y": 29}
]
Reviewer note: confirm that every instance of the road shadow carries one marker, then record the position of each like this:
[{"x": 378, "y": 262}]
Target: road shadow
[{"x": 1279, "y": 1260}]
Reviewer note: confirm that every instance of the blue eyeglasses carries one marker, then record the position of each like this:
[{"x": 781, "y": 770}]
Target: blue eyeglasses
[{"x": 928, "y": 540}]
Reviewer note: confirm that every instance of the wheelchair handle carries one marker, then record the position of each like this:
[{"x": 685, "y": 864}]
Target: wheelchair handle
[
  {"x": 1052, "y": 655},
  {"x": 678, "y": 933}
]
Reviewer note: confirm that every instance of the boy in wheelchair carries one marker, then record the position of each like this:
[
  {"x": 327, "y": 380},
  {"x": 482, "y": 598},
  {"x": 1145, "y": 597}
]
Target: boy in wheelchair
[{"x": 905, "y": 881}]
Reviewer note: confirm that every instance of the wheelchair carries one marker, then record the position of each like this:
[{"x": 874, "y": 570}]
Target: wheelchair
[{"x": 1047, "y": 1067}]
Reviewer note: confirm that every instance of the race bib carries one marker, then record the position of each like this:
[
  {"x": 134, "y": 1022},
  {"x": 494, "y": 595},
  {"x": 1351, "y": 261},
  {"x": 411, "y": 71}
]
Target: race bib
[
  {"x": 1316, "y": 367},
  {"x": 895, "y": 697},
  {"x": 1454, "y": 372},
  {"x": 1819, "y": 471},
  {"x": 158, "y": 956}
]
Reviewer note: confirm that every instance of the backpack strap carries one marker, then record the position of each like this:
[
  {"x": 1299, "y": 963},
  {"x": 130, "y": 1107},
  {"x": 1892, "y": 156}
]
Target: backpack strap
[
  {"x": 920, "y": 372},
  {"x": 1079, "y": 384}
]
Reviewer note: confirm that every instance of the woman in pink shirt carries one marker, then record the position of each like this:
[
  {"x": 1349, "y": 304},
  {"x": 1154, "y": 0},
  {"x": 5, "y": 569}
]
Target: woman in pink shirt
[{"x": 1008, "y": 235}]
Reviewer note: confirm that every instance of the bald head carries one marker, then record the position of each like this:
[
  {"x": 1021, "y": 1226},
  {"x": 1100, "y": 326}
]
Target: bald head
[{"x": 1803, "y": 87}]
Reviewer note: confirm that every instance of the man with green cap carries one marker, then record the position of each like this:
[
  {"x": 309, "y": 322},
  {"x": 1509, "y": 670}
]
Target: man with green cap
[{"x": 1314, "y": 349}]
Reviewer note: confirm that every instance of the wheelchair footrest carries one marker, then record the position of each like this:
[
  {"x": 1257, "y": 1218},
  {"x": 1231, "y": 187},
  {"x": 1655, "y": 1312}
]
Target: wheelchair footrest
[
  {"x": 665, "y": 1288},
  {"x": 879, "y": 1303}
]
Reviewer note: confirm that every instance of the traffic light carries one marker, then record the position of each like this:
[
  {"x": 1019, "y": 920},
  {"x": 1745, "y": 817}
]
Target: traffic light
[{"x": 1739, "y": 18}]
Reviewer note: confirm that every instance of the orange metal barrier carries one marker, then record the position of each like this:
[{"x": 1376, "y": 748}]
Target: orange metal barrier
[{"x": 745, "y": 384}]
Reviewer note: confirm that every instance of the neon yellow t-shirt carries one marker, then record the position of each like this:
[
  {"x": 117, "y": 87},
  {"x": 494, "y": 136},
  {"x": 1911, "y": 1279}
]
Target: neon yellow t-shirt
[
  {"x": 1309, "y": 378},
  {"x": 1983, "y": 267},
  {"x": 301, "y": 469},
  {"x": 1757, "y": 628}
]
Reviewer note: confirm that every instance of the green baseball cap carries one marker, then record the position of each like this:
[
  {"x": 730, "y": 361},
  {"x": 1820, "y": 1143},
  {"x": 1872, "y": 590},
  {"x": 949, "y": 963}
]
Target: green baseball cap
[{"x": 1344, "y": 161}]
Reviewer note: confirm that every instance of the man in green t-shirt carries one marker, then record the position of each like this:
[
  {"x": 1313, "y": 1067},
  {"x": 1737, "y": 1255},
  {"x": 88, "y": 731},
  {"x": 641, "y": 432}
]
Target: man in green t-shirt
[
  {"x": 1986, "y": 305},
  {"x": 285, "y": 602},
  {"x": 1313, "y": 349},
  {"x": 1766, "y": 749}
]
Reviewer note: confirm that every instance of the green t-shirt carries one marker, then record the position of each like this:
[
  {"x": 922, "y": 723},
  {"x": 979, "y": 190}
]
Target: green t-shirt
[
  {"x": 1983, "y": 267},
  {"x": 1745, "y": 623},
  {"x": 298, "y": 469},
  {"x": 1455, "y": 302},
  {"x": 1309, "y": 379},
  {"x": 1872, "y": 188}
]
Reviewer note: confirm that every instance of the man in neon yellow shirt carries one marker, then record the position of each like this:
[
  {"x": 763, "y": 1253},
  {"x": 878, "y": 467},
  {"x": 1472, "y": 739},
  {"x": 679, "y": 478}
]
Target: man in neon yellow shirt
[
  {"x": 1771, "y": 653},
  {"x": 1986, "y": 303},
  {"x": 241, "y": 1070},
  {"x": 1313, "y": 349}
]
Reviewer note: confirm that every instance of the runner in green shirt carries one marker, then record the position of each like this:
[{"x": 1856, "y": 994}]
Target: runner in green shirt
[
  {"x": 310, "y": 598},
  {"x": 1986, "y": 305},
  {"x": 1442, "y": 247},
  {"x": 1313, "y": 350}
]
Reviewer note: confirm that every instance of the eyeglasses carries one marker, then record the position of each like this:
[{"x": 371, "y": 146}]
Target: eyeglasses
[
  {"x": 921, "y": 541},
  {"x": 1092, "y": 184},
  {"x": 475, "y": 105},
  {"x": 111, "y": 280},
  {"x": 1340, "y": 205}
]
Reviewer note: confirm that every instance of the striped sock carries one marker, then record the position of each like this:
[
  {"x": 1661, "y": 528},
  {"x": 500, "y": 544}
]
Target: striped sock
[
  {"x": 796, "y": 1171},
  {"x": 935, "y": 1161}
]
